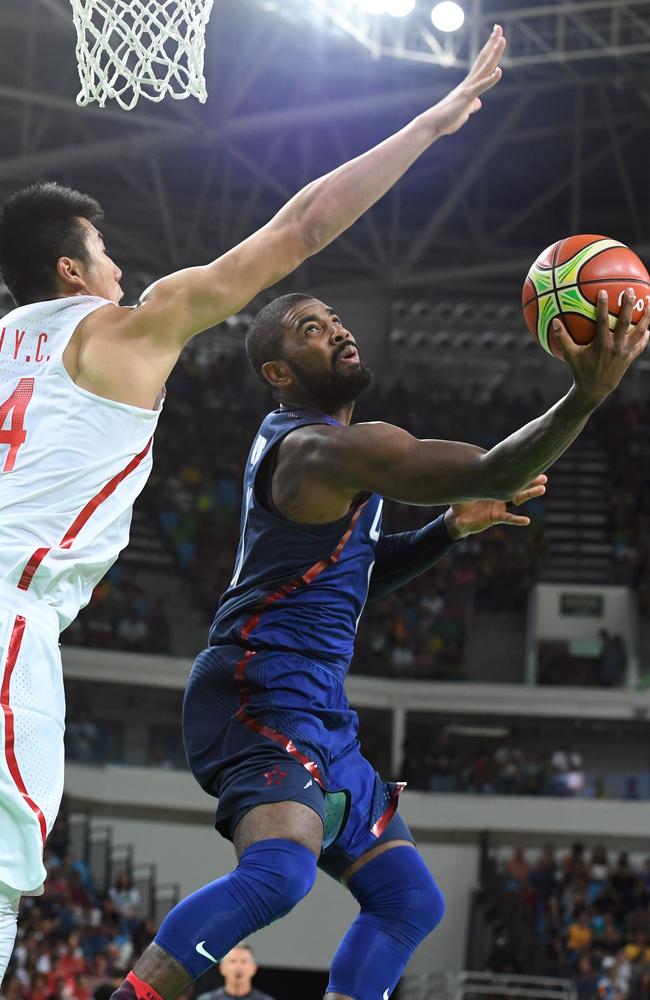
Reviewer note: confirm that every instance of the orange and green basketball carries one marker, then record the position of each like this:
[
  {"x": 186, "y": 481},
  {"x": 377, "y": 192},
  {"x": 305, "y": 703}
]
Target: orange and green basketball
[{"x": 565, "y": 280}]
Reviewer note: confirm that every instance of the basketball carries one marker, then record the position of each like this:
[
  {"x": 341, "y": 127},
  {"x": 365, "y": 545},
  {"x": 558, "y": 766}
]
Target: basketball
[{"x": 565, "y": 280}]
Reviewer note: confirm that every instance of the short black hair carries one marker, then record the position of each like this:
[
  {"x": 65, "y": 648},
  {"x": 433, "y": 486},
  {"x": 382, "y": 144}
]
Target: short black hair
[
  {"x": 264, "y": 337},
  {"x": 39, "y": 224}
]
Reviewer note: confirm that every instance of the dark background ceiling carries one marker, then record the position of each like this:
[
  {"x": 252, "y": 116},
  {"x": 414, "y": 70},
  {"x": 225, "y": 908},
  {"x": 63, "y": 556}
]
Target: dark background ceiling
[{"x": 561, "y": 145}]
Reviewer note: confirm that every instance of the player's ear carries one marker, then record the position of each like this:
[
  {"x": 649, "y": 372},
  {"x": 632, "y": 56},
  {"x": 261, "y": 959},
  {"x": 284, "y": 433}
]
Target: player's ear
[
  {"x": 67, "y": 269},
  {"x": 277, "y": 374}
]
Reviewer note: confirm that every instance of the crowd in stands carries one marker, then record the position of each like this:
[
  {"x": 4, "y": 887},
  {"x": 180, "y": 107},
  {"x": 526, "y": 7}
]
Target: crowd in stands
[
  {"x": 438, "y": 764},
  {"x": 121, "y": 615},
  {"x": 75, "y": 943},
  {"x": 589, "y": 917}
]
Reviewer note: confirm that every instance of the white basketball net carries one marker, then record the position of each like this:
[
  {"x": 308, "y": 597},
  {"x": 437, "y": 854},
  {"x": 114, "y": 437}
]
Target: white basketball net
[{"x": 132, "y": 48}]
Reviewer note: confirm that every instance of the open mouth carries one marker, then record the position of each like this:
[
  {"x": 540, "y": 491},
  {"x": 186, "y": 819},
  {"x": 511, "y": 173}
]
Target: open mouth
[{"x": 349, "y": 354}]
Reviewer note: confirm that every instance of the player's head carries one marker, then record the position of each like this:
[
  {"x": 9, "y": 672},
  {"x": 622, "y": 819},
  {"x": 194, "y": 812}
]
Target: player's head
[
  {"x": 238, "y": 968},
  {"x": 50, "y": 246},
  {"x": 301, "y": 349}
]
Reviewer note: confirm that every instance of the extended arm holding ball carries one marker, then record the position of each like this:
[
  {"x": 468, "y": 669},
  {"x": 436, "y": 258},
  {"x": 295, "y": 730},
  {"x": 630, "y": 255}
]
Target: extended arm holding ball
[{"x": 384, "y": 459}]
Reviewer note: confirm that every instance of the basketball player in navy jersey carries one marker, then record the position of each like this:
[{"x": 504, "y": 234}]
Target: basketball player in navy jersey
[{"x": 267, "y": 725}]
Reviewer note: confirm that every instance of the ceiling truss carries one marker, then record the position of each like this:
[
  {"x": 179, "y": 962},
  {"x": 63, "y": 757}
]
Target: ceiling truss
[
  {"x": 552, "y": 152},
  {"x": 538, "y": 34}
]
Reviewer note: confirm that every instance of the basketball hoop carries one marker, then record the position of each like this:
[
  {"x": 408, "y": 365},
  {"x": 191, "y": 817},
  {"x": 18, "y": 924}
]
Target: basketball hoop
[{"x": 132, "y": 48}]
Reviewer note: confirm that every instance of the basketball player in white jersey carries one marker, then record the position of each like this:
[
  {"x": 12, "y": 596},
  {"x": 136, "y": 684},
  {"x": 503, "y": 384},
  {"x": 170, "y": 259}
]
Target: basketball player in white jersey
[{"x": 81, "y": 386}]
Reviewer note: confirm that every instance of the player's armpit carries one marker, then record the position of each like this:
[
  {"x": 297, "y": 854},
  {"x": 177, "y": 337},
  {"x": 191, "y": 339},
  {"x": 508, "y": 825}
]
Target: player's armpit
[{"x": 381, "y": 458}]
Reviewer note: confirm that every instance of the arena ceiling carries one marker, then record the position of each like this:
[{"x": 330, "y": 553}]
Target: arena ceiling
[{"x": 561, "y": 146}]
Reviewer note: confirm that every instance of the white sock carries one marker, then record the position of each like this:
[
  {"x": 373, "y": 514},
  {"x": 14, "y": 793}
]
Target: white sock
[{"x": 9, "y": 900}]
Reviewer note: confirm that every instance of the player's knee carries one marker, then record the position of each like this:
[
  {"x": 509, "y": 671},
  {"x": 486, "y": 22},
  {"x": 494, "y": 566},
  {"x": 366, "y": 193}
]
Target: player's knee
[
  {"x": 427, "y": 905},
  {"x": 278, "y": 874},
  {"x": 399, "y": 892},
  {"x": 417, "y": 905}
]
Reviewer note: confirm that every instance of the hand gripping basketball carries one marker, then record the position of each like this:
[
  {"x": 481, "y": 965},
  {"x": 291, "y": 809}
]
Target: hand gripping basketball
[
  {"x": 452, "y": 111},
  {"x": 598, "y": 367}
]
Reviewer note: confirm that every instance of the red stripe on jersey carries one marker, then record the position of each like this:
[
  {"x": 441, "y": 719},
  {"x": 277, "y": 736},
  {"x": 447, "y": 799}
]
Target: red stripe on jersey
[
  {"x": 308, "y": 577},
  {"x": 81, "y": 519},
  {"x": 240, "y": 670},
  {"x": 15, "y": 643}
]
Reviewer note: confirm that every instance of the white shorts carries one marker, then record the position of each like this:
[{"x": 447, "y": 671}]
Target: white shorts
[{"x": 32, "y": 716}]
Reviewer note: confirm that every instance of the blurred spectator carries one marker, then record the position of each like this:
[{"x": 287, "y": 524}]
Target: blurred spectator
[
  {"x": 132, "y": 631},
  {"x": 518, "y": 869},
  {"x": 238, "y": 968},
  {"x": 444, "y": 764},
  {"x": 126, "y": 898},
  {"x": 612, "y": 663},
  {"x": 508, "y": 763},
  {"x": 82, "y": 736}
]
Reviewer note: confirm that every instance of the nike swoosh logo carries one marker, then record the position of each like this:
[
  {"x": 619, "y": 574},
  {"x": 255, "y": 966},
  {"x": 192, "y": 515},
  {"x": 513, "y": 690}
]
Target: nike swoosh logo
[
  {"x": 206, "y": 954},
  {"x": 308, "y": 785}
]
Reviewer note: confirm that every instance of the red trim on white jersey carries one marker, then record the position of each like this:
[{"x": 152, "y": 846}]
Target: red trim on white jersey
[
  {"x": 68, "y": 539},
  {"x": 15, "y": 643}
]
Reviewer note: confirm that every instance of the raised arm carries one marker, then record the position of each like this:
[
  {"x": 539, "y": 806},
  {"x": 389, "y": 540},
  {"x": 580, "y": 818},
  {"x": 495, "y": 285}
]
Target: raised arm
[
  {"x": 182, "y": 304},
  {"x": 384, "y": 459}
]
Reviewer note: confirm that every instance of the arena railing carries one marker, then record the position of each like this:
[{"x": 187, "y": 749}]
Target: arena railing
[
  {"x": 93, "y": 846},
  {"x": 473, "y": 985}
]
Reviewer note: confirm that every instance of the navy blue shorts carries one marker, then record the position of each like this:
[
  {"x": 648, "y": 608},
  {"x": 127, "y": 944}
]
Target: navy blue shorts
[{"x": 262, "y": 727}]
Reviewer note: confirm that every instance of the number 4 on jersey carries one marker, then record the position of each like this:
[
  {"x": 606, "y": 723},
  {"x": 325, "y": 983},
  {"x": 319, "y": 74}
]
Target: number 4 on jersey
[{"x": 14, "y": 408}]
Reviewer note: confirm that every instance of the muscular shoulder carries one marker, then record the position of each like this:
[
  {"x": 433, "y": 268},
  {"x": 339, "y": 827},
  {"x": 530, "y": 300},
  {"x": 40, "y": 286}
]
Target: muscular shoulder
[
  {"x": 320, "y": 470},
  {"x": 320, "y": 445}
]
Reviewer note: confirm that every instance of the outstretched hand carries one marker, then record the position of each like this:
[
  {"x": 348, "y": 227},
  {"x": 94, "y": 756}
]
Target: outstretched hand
[
  {"x": 598, "y": 367},
  {"x": 470, "y": 518},
  {"x": 452, "y": 111}
]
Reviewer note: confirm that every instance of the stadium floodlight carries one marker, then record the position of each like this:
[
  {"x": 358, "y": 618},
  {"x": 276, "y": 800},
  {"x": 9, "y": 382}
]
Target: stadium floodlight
[
  {"x": 400, "y": 8},
  {"x": 447, "y": 16},
  {"x": 374, "y": 6}
]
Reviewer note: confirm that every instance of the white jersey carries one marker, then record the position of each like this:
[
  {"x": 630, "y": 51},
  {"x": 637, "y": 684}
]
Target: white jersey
[{"x": 71, "y": 463}]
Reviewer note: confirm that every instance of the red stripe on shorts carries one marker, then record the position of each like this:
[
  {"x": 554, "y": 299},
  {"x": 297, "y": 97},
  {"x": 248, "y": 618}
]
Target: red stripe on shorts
[
  {"x": 258, "y": 727},
  {"x": 81, "y": 519},
  {"x": 15, "y": 643},
  {"x": 240, "y": 670},
  {"x": 386, "y": 817}
]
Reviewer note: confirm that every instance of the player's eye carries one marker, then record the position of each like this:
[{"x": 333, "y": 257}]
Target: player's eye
[{"x": 311, "y": 328}]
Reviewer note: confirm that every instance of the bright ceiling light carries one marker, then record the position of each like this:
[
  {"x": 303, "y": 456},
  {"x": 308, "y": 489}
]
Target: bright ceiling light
[
  {"x": 400, "y": 8},
  {"x": 447, "y": 16},
  {"x": 374, "y": 6}
]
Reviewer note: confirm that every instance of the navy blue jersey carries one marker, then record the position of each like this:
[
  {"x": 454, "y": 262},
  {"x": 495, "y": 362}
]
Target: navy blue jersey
[{"x": 297, "y": 587}]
